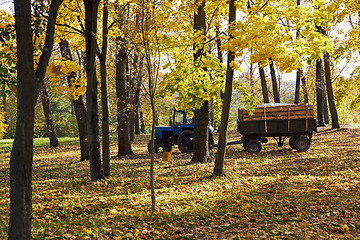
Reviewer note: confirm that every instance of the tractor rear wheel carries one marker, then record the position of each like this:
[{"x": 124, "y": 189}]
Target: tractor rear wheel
[{"x": 186, "y": 141}]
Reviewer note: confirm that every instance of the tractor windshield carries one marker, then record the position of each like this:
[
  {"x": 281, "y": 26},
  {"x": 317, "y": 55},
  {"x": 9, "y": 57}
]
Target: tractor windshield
[{"x": 179, "y": 118}]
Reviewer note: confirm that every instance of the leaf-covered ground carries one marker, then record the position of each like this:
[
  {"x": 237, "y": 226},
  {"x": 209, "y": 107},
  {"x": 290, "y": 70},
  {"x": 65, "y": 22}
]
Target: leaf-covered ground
[{"x": 275, "y": 194}]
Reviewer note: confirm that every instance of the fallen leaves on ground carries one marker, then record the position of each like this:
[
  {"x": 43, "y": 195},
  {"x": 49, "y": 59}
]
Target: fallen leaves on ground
[{"x": 275, "y": 194}]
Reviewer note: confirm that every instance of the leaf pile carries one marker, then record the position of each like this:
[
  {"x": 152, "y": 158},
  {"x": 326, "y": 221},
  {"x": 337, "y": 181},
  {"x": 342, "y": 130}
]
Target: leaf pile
[{"x": 275, "y": 194}]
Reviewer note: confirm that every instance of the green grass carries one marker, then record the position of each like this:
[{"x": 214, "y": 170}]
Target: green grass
[{"x": 6, "y": 144}]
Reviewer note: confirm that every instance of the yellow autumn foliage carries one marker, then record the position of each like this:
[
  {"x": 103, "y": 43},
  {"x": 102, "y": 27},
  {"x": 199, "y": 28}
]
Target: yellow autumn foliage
[
  {"x": 57, "y": 72},
  {"x": 3, "y": 126}
]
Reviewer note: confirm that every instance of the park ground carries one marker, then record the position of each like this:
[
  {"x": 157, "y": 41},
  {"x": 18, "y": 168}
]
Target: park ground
[{"x": 275, "y": 194}]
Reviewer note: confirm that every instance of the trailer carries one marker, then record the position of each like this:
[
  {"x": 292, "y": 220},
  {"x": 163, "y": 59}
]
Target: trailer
[{"x": 294, "y": 122}]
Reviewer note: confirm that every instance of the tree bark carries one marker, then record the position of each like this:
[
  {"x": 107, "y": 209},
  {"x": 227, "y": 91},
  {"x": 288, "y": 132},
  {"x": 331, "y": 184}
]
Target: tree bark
[
  {"x": 137, "y": 120},
  {"x": 91, "y": 9},
  {"x": 201, "y": 130},
  {"x": 28, "y": 86},
  {"x": 45, "y": 101},
  {"x": 297, "y": 87},
  {"x": 123, "y": 112},
  {"x": 330, "y": 93},
  {"x": 220, "y": 56},
  {"x": 22, "y": 152},
  {"x": 142, "y": 123},
  {"x": 303, "y": 84},
  {"x": 264, "y": 88},
  {"x": 79, "y": 106},
  {"x": 104, "y": 94},
  {"x": 298, "y": 72},
  {"x": 274, "y": 83},
  {"x": 221, "y": 150},
  {"x": 319, "y": 94}
]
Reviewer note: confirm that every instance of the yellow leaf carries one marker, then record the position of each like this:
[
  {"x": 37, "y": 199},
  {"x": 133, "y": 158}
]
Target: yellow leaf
[{"x": 166, "y": 156}]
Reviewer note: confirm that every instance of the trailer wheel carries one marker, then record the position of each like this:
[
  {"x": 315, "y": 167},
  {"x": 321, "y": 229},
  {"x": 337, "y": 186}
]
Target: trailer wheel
[
  {"x": 292, "y": 142},
  {"x": 302, "y": 144},
  {"x": 156, "y": 146},
  {"x": 253, "y": 146},
  {"x": 186, "y": 141}
]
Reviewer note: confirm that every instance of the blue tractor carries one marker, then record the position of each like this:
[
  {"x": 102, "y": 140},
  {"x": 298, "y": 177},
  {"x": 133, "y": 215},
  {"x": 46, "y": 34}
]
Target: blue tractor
[{"x": 180, "y": 132}]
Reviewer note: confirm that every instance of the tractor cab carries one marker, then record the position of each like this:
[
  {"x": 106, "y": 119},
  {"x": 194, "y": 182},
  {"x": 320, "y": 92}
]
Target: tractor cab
[{"x": 180, "y": 132}]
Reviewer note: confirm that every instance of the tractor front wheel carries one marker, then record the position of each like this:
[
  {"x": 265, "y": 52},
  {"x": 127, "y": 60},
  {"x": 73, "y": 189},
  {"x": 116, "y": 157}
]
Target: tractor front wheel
[
  {"x": 156, "y": 146},
  {"x": 186, "y": 141}
]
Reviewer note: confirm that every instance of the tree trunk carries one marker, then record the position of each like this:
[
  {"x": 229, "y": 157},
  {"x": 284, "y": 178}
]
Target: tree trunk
[
  {"x": 124, "y": 144},
  {"x": 137, "y": 120},
  {"x": 137, "y": 97},
  {"x": 28, "y": 87},
  {"x": 132, "y": 126},
  {"x": 298, "y": 72},
  {"x": 142, "y": 123},
  {"x": 319, "y": 94},
  {"x": 297, "y": 87},
  {"x": 221, "y": 150},
  {"x": 330, "y": 93},
  {"x": 251, "y": 78},
  {"x": 4, "y": 107},
  {"x": 104, "y": 94},
  {"x": 264, "y": 88},
  {"x": 79, "y": 106},
  {"x": 134, "y": 94},
  {"x": 212, "y": 112},
  {"x": 303, "y": 83},
  {"x": 201, "y": 130},
  {"x": 45, "y": 101},
  {"x": 326, "y": 107},
  {"x": 274, "y": 83},
  {"x": 80, "y": 112},
  {"x": 22, "y": 152},
  {"x": 91, "y": 8}
]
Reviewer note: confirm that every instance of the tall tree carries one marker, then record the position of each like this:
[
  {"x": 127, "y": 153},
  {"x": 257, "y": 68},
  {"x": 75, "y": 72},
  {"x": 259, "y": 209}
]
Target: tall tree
[
  {"x": 201, "y": 130},
  {"x": 78, "y": 103},
  {"x": 22, "y": 152},
  {"x": 122, "y": 84},
  {"x": 274, "y": 82},
  {"x": 91, "y": 10},
  {"x": 221, "y": 150},
  {"x": 319, "y": 94},
  {"x": 330, "y": 93},
  {"x": 28, "y": 84},
  {"x": 123, "y": 111},
  {"x": 298, "y": 72},
  {"x": 104, "y": 93},
  {"x": 264, "y": 88}
]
